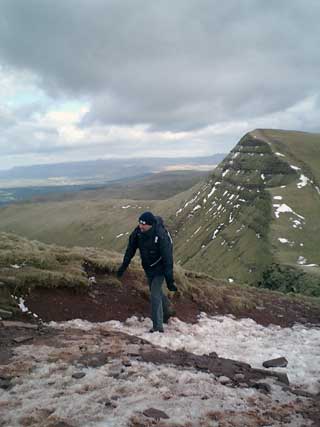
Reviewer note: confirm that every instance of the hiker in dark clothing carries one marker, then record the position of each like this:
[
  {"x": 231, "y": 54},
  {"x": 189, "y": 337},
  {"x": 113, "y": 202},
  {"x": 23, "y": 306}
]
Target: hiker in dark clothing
[{"x": 155, "y": 246}]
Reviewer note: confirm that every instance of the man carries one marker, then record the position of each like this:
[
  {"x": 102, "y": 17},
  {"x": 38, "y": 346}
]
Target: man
[{"x": 155, "y": 246}]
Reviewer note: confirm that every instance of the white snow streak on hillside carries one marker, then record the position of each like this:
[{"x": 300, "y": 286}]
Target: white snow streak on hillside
[
  {"x": 196, "y": 208},
  {"x": 284, "y": 240},
  {"x": 285, "y": 208},
  {"x": 243, "y": 340},
  {"x": 303, "y": 181}
]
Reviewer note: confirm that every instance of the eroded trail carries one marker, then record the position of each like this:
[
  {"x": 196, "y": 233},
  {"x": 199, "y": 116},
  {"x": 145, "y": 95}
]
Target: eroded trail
[
  {"x": 205, "y": 370},
  {"x": 99, "y": 376}
]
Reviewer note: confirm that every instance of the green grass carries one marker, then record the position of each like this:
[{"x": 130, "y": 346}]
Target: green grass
[
  {"x": 245, "y": 248},
  {"x": 25, "y": 264},
  {"x": 248, "y": 239}
]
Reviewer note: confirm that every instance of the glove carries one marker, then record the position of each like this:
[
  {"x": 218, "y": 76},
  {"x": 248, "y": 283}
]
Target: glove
[
  {"x": 120, "y": 271},
  {"x": 172, "y": 287}
]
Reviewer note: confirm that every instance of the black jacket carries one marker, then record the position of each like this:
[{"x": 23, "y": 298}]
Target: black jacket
[{"x": 155, "y": 246}]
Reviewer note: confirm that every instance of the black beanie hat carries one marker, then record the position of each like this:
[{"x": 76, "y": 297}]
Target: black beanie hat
[{"x": 147, "y": 218}]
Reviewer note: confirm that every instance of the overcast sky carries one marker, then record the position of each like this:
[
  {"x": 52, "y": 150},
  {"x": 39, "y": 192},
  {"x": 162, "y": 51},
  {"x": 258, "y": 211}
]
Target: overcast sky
[{"x": 86, "y": 79}]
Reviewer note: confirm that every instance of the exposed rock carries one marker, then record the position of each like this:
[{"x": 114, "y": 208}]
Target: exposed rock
[
  {"x": 279, "y": 362},
  {"x": 239, "y": 377},
  {"x": 263, "y": 387},
  {"x": 78, "y": 375},
  {"x": 282, "y": 377},
  {"x": 5, "y": 383},
  {"x": 20, "y": 340},
  {"x": 155, "y": 413},
  {"x": 223, "y": 380},
  {"x": 110, "y": 404},
  {"x": 16, "y": 324}
]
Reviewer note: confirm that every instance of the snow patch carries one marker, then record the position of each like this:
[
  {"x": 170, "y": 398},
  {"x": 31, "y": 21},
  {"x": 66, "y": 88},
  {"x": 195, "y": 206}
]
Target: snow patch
[
  {"x": 243, "y": 340},
  {"x": 285, "y": 241},
  {"x": 303, "y": 181},
  {"x": 21, "y": 305},
  {"x": 283, "y": 209}
]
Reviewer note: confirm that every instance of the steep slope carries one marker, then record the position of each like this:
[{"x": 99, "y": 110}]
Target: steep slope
[{"x": 259, "y": 207}]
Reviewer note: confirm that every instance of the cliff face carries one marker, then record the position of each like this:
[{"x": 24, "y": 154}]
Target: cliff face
[{"x": 259, "y": 207}]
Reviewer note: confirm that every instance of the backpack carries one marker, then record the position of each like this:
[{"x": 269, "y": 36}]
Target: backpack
[{"x": 160, "y": 226}]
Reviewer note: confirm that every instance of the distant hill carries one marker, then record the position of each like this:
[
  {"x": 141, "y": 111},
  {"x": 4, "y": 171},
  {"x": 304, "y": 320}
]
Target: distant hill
[
  {"x": 154, "y": 186},
  {"x": 102, "y": 217},
  {"x": 103, "y": 170},
  {"x": 256, "y": 218}
]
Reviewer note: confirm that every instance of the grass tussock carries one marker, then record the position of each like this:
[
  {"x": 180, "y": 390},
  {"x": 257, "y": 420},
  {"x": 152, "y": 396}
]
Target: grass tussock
[{"x": 26, "y": 264}]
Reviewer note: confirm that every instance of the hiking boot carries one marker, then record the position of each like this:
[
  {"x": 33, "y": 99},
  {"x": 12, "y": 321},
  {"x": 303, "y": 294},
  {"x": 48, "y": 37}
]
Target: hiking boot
[{"x": 156, "y": 330}]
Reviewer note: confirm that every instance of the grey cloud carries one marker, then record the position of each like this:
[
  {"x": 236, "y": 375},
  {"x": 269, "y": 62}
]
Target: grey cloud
[{"x": 173, "y": 65}]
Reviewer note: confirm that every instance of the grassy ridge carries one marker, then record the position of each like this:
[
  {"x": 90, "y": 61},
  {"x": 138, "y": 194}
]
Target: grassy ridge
[{"x": 230, "y": 227}]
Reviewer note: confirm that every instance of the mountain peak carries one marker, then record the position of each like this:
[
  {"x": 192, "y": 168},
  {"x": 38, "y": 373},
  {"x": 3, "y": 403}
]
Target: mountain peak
[{"x": 257, "y": 209}]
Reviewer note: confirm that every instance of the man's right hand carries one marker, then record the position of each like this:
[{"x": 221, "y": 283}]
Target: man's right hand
[{"x": 172, "y": 287}]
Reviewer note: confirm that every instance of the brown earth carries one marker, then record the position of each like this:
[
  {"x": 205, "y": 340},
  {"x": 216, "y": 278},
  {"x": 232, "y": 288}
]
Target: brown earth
[{"x": 108, "y": 299}]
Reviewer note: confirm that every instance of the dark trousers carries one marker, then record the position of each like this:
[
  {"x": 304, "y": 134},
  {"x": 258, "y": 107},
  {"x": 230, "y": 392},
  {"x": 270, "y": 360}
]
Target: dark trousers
[{"x": 159, "y": 301}]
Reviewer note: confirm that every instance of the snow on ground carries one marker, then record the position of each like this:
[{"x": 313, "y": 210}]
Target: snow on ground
[
  {"x": 285, "y": 208},
  {"x": 243, "y": 340},
  {"x": 116, "y": 396},
  {"x": 303, "y": 181},
  {"x": 196, "y": 208},
  {"x": 285, "y": 241},
  {"x": 301, "y": 260}
]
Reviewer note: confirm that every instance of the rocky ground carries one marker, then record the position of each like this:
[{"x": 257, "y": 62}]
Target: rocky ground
[{"x": 71, "y": 377}]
